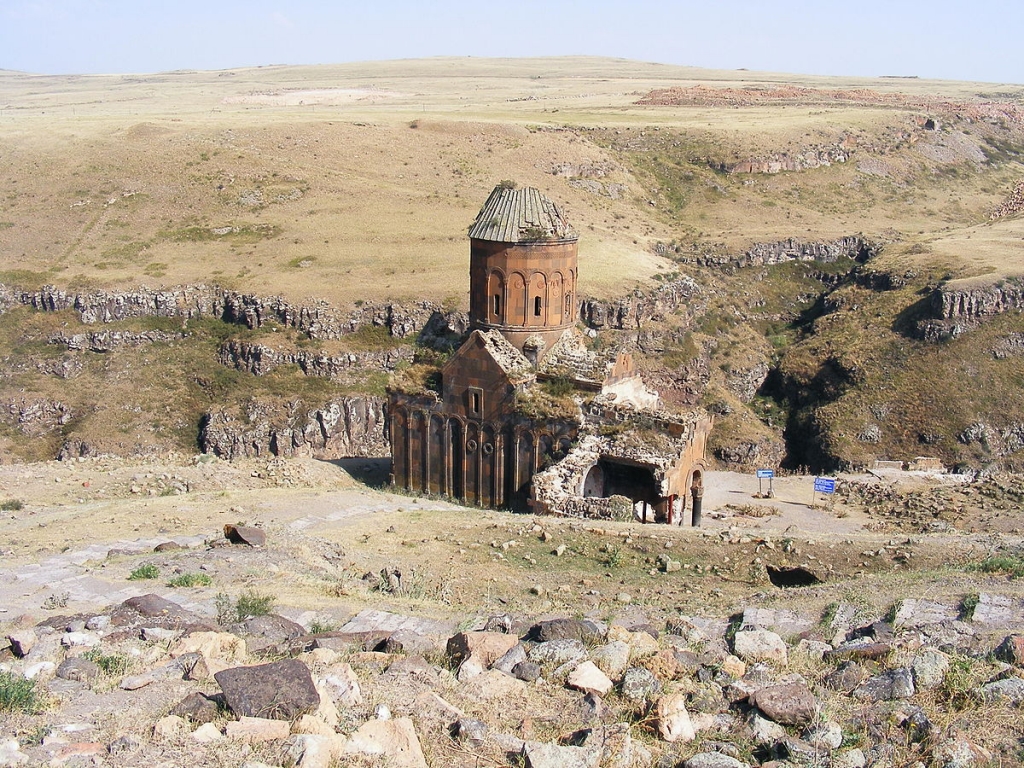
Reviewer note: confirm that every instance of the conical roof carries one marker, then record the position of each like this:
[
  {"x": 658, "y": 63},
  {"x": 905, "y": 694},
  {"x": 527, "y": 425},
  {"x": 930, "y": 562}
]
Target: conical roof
[{"x": 518, "y": 216}]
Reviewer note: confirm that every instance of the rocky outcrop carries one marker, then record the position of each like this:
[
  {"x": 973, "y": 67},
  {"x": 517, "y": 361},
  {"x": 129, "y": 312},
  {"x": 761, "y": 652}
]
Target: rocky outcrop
[
  {"x": 105, "y": 341},
  {"x": 955, "y": 309},
  {"x": 34, "y": 417},
  {"x": 350, "y": 426},
  {"x": 812, "y": 157},
  {"x": 642, "y": 307},
  {"x": 259, "y": 359},
  {"x": 762, "y": 254},
  {"x": 318, "y": 320}
]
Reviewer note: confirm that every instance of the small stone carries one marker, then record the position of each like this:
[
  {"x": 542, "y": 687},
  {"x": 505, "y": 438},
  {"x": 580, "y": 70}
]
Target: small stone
[
  {"x": 78, "y": 669},
  {"x": 624, "y": 597},
  {"x": 169, "y": 726},
  {"x": 673, "y": 719},
  {"x": 1011, "y": 650},
  {"x": 589, "y": 679},
  {"x": 787, "y": 704},
  {"x": 929, "y": 668},
  {"x": 638, "y": 685},
  {"x": 98, "y": 623},
  {"x": 252, "y": 730},
  {"x": 760, "y": 645},
  {"x": 22, "y": 642},
  {"x": 206, "y": 733},
  {"x": 196, "y": 707}
]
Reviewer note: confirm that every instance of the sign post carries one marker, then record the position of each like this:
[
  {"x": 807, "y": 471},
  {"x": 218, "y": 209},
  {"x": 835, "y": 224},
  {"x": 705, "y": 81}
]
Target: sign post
[
  {"x": 765, "y": 474},
  {"x": 825, "y": 485}
]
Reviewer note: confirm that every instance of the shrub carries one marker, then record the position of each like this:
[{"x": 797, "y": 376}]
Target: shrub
[
  {"x": 17, "y": 694},
  {"x": 145, "y": 571},
  {"x": 248, "y": 604},
  {"x": 190, "y": 580},
  {"x": 11, "y": 505}
]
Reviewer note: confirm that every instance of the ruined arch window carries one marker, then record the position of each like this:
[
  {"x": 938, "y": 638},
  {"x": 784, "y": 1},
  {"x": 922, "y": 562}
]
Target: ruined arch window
[
  {"x": 497, "y": 304},
  {"x": 536, "y": 306},
  {"x": 568, "y": 303}
]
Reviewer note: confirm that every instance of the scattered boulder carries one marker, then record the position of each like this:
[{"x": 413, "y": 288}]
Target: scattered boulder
[
  {"x": 787, "y": 704},
  {"x": 894, "y": 684},
  {"x": 760, "y": 645},
  {"x": 929, "y": 668},
  {"x": 584, "y": 630},
  {"x": 486, "y": 647},
  {"x": 251, "y": 730},
  {"x": 541, "y": 755},
  {"x": 589, "y": 679},
  {"x": 713, "y": 760},
  {"x": 244, "y": 534},
  {"x": 22, "y": 642},
  {"x": 395, "y": 740},
  {"x": 281, "y": 690},
  {"x": 638, "y": 685},
  {"x": 78, "y": 669},
  {"x": 673, "y": 719},
  {"x": 197, "y": 707}
]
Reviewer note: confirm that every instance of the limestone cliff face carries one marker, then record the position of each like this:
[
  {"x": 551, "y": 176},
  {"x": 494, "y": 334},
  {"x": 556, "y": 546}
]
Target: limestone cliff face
[
  {"x": 954, "y": 309},
  {"x": 640, "y": 307},
  {"x": 259, "y": 359},
  {"x": 349, "y": 426},
  {"x": 318, "y": 319},
  {"x": 760, "y": 254}
]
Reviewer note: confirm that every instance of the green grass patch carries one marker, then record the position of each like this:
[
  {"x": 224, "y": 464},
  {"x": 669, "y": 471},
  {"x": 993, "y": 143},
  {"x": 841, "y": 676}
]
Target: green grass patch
[
  {"x": 18, "y": 694},
  {"x": 1011, "y": 565},
  {"x": 143, "y": 572},
  {"x": 11, "y": 505},
  {"x": 193, "y": 579}
]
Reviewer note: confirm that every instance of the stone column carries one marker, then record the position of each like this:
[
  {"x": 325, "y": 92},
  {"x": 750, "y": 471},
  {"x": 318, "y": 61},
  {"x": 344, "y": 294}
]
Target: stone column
[{"x": 698, "y": 499}]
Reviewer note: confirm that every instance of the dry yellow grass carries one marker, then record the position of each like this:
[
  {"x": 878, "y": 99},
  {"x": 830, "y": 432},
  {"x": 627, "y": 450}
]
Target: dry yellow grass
[{"x": 121, "y": 180}]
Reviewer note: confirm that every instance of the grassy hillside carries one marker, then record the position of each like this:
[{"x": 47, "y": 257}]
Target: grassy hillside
[{"x": 356, "y": 183}]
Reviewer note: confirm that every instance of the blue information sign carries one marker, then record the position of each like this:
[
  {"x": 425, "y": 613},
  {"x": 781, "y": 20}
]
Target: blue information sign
[
  {"x": 824, "y": 485},
  {"x": 765, "y": 473}
]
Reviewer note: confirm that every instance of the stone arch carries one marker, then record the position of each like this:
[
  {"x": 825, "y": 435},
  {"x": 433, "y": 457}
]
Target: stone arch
[
  {"x": 496, "y": 296},
  {"x": 593, "y": 483},
  {"x": 537, "y": 304},
  {"x": 556, "y": 290},
  {"x": 516, "y": 299}
]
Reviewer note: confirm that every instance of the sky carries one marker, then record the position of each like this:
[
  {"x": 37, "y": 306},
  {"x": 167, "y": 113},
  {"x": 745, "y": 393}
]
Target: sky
[{"x": 979, "y": 40}]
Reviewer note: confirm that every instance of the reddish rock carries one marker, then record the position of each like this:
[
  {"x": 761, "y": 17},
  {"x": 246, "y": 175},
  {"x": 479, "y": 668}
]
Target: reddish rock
[{"x": 485, "y": 647}]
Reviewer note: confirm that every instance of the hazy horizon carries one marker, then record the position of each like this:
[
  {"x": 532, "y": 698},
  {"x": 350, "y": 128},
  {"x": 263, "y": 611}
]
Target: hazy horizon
[{"x": 790, "y": 36}]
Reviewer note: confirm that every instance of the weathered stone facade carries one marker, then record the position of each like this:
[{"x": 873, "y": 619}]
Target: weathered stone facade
[{"x": 524, "y": 415}]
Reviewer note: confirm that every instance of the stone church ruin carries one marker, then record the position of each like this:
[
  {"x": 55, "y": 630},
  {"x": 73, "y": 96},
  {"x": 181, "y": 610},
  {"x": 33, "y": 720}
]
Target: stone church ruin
[{"x": 523, "y": 415}]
